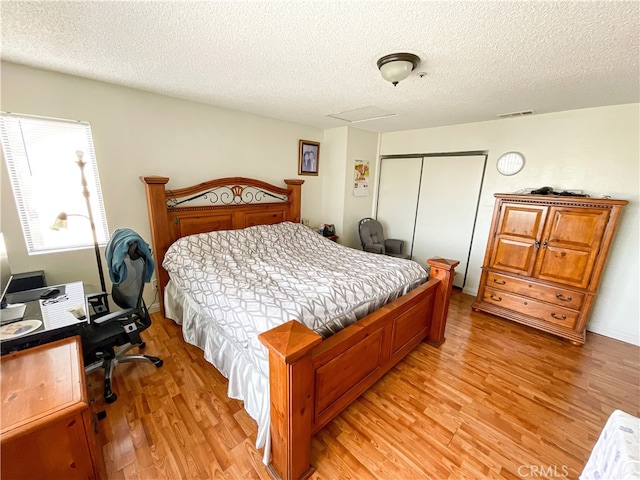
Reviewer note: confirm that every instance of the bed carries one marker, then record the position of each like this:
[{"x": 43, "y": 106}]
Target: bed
[{"x": 308, "y": 372}]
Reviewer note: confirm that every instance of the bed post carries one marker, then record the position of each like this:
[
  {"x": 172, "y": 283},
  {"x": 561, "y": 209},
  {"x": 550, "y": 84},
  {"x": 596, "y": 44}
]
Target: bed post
[
  {"x": 291, "y": 391},
  {"x": 442, "y": 269},
  {"x": 159, "y": 223},
  {"x": 295, "y": 196}
]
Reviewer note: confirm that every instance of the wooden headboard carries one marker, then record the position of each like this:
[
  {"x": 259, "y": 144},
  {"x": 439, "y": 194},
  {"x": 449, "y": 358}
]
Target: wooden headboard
[{"x": 235, "y": 203}]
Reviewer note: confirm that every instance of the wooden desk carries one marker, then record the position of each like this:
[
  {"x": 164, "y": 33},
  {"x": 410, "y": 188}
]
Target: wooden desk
[
  {"x": 46, "y": 427},
  {"x": 54, "y": 314}
]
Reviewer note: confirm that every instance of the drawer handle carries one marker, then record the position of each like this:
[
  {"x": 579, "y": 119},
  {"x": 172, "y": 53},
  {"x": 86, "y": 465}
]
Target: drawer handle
[
  {"x": 497, "y": 299},
  {"x": 495, "y": 280},
  {"x": 558, "y": 317},
  {"x": 560, "y": 296}
]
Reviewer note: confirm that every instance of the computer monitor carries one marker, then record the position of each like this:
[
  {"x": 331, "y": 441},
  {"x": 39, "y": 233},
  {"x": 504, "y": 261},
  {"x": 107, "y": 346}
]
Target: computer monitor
[
  {"x": 5, "y": 286},
  {"x": 8, "y": 313},
  {"x": 5, "y": 271}
]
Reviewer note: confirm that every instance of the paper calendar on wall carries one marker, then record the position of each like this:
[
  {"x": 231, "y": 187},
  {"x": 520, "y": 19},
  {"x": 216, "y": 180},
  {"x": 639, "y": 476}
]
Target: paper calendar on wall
[{"x": 361, "y": 178}]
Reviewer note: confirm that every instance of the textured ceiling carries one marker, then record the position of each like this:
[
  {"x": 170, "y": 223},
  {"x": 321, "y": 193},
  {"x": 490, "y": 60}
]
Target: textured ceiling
[{"x": 301, "y": 61}]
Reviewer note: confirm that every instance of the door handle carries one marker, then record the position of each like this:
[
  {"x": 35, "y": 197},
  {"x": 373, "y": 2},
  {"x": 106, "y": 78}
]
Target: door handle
[
  {"x": 537, "y": 244},
  {"x": 560, "y": 296},
  {"x": 544, "y": 244}
]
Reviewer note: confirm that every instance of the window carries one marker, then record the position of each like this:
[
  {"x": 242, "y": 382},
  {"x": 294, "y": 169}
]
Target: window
[{"x": 41, "y": 159}]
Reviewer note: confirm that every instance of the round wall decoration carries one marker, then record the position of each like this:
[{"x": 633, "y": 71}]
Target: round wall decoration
[{"x": 510, "y": 163}]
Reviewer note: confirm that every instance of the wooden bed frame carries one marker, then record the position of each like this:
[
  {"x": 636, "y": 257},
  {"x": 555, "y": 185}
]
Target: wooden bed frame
[{"x": 311, "y": 380}]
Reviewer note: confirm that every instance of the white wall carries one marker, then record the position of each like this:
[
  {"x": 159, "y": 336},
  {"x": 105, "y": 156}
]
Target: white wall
[
  {"x": 342, "y": 146},
  {"x": 332, "y": 153},
  {"x": 363, "y": 145},
  {"x": 595, "y": 150},
  {"x": 137, "y": 134}
]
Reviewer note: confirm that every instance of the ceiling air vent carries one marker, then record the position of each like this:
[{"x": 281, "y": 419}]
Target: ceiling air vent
[
  {"x": 515, "y": 114},
  {"x": 362, "y": 114}
]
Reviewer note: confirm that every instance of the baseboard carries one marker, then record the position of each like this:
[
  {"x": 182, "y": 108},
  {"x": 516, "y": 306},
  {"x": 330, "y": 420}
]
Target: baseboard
[
  {"x": 154, "y": 307},
  {"x": 470, "y": 291},
  {"x": 616, "y": 335}
]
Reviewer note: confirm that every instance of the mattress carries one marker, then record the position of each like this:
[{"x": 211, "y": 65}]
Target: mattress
[
  {"x": 616, "y": 454},
  {"x": 227, "y": 287}
]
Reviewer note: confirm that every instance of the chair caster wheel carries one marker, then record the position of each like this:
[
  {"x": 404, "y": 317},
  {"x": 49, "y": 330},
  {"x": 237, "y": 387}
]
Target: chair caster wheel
[
  {"x": 142, "y": 345},
  {"x": 158, "y": 363},
  {"x": 111, "y": 398}
]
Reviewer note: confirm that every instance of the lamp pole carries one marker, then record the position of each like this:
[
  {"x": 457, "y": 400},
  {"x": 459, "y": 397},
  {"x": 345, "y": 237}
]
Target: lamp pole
[{"x": 85, "y": 193}]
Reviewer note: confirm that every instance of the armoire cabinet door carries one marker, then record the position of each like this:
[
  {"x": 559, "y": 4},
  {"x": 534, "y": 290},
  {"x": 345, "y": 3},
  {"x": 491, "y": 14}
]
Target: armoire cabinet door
[
  {"x": 570, "y": 245},
  {"x": 517, "y": 238}
]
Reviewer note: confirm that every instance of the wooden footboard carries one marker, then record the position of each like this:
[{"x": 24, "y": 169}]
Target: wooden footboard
[{"x": 312, "y": 381}]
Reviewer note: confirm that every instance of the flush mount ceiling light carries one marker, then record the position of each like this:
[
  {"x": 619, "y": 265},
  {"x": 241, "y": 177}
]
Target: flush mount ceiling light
[{"x": 397, "y": 66}]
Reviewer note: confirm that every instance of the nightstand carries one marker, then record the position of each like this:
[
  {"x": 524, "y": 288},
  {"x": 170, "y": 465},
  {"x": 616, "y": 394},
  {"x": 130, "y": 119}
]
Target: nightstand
[
  {"x": 318, "y": 230},
  {"x": 46, "y": 427}
]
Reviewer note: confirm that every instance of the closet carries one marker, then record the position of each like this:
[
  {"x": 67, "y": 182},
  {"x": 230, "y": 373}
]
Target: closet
[
  {"x": 544, "y": 260},
  {"x": 418, "y": 193}
]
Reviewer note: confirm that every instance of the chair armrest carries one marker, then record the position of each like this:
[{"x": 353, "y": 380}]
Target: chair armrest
[
  {"x": 114, "y": 316},
  {"x": 374, "y": 248},
  {"x": 99, "y": 303},
  {"x": 394, "y": 246}
]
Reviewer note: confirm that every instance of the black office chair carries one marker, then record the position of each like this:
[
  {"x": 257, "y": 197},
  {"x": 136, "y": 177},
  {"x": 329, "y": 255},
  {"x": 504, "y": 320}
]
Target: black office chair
[
  {"x": 372, "y": 239},
  {"x": 122, "y": 328}
]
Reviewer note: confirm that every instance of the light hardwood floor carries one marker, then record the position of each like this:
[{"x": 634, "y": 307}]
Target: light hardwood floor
[{"x": 497, "y": 400}]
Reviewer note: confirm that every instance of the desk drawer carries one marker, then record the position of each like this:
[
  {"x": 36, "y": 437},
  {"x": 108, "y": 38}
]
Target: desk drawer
[
  {"x": 527, "y": 306},
  {"x": 557, "y": 296}
]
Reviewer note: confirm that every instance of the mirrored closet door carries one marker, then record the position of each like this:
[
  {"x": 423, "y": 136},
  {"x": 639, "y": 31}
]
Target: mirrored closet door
[{"x": 431, "y": 203}]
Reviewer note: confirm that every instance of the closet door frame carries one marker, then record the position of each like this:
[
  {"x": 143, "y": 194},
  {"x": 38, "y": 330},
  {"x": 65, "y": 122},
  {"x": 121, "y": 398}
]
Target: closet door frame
[
  {"x": 484, "y": 153},
  {"x": 378, "y": 181}
]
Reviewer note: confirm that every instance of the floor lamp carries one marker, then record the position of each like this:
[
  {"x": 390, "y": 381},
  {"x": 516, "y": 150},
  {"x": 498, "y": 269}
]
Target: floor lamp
[{"x": 61, "y": 220}]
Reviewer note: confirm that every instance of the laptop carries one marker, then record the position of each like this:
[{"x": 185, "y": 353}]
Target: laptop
[{"x": 10, "y": 313}]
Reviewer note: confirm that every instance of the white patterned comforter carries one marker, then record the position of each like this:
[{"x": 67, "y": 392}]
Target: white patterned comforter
[
  {"x": 227, "y": 287},
  {"x": 251, "y": 280}
]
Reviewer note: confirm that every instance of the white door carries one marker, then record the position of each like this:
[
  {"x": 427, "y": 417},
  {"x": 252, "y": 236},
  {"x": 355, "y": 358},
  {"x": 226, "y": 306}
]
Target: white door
[
  {"x": 447, "y": 208},
  {"x": 398, "y": 197}
]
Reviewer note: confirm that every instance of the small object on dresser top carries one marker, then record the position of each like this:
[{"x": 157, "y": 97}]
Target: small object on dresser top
[
  {"x": 551, "y": 192},
  {"x": 572, "y": 193},
  {"x": 543, "y": 191}
]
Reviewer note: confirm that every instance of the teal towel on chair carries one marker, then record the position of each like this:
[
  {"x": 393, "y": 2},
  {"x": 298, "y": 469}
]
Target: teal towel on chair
[{"x": 118, "y": 248}]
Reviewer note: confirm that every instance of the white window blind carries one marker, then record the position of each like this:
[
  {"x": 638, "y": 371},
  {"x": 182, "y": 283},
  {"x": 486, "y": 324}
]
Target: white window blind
[{"x": 42, "y": 163}]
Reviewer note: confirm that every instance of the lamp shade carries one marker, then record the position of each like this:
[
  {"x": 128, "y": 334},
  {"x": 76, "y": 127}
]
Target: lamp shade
[
  {"x": 397, "y": 66},
  {"x": 60, "y": 222}
]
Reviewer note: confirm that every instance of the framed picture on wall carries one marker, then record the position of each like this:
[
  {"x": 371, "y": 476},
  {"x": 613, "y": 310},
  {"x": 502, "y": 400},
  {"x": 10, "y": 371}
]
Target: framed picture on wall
[{"x": 308, "y": 157}]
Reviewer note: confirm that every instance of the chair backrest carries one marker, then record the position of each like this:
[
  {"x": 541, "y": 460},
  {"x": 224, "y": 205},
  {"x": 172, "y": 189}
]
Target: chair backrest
[
  {"x": 370, "y": 231},
  {"x": 128, "y": 293}
]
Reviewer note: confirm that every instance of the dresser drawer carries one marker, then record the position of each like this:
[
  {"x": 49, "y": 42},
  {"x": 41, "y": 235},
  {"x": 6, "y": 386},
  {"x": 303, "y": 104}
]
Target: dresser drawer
[
  {"x": 545, "y": 293},
  {"x": 527, "y": 306}
]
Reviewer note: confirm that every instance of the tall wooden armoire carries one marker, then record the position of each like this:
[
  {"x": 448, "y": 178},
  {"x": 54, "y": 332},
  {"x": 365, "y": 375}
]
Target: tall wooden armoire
[{"x": 544, "y": 260}]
